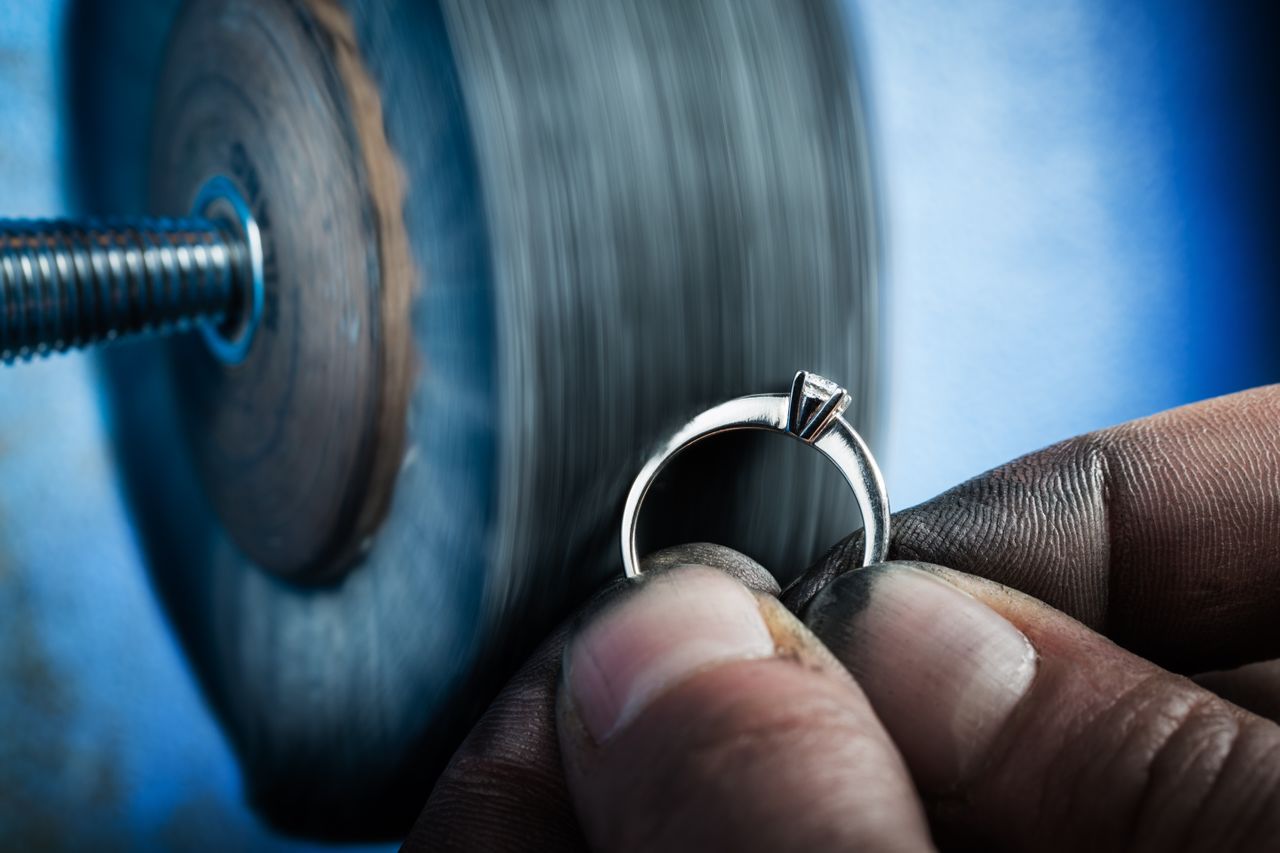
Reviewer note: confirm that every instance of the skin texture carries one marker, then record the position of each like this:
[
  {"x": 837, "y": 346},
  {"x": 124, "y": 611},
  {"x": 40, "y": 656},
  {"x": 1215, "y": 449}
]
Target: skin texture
[
  {"x": 1101, "y": 750},
  {"x": 722, "y": 758},
  {"x": 1125, "y": 558},
  {"x": 505, "y": 787},
  {"x": 1162, "y": 534}
]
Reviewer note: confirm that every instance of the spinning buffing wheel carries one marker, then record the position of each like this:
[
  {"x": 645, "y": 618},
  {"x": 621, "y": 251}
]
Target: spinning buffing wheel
[{"x": 508, "y": 246}]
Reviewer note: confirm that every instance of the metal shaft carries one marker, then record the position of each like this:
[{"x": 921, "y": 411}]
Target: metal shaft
[{"x": 74, "y": 283}]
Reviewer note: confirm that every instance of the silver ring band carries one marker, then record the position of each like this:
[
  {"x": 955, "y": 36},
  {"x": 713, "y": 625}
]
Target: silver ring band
[{"x": 810, "y": 413}]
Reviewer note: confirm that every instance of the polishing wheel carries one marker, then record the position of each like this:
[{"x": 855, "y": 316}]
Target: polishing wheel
[{"x": 507, "y": 247}]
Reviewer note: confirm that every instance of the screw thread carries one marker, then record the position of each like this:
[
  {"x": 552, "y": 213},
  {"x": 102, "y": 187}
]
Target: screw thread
[{"x": 66, "y": 284}]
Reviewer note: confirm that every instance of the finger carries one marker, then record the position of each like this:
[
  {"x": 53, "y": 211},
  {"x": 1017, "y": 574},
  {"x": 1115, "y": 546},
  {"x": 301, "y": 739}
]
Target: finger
[
  {"x": 504, "y": 789},
  {"x": 1080, "y": 746},
  {"x": 696, "y": 715},
  {"x": 1254, "y": 687},
  {"x": 1164, "y": 533}
]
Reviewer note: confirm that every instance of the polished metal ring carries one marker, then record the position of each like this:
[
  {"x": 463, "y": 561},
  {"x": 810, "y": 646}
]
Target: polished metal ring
[{"x": 810, "y": 413}]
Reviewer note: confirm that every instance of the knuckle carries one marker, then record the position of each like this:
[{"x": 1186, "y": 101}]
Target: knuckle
[
  {"x": 1109, "y": 749},
  {"x": 1167, "y": 765},
  {"x": 1241, "y": 807}
]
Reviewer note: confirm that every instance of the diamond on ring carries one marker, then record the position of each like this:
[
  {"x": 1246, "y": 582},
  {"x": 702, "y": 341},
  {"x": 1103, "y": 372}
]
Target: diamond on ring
[{"x": 814, "y": 405}]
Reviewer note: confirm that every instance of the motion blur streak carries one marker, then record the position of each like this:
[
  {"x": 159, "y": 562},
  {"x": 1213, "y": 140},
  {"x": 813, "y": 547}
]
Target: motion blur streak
[{"x": 1077, "y": 200}]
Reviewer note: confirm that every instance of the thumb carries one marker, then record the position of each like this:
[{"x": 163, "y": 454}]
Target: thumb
[
  {"x": 696, "y": 714},
  {"x": 1084, "y": 746}
]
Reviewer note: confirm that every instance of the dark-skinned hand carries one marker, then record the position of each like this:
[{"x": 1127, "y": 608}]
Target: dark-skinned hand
[{"x": 1088, "y": 671}]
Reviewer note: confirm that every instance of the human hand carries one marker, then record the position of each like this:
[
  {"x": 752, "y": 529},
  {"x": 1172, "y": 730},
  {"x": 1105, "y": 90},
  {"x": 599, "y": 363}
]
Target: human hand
[{"x": 694, "y": 714}]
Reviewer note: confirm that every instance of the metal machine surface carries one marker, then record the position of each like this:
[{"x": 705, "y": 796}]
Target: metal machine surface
[
  {"x": 491, "y": 239},
  {"x": 591, "y": 199}
]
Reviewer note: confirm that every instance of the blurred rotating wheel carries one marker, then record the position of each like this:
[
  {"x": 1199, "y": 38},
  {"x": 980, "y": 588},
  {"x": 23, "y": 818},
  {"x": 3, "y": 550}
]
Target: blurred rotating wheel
[{"x": 515, "y": 244}]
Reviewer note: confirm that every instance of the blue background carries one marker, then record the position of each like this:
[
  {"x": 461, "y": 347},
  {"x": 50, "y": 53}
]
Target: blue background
[{"x": 1078, "y": 208}]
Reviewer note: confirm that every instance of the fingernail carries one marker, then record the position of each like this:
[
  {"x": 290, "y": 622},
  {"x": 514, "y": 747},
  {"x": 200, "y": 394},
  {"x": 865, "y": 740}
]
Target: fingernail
[
  {"x": 942, "y": 670},
  {"x": 650, "y": 639}
]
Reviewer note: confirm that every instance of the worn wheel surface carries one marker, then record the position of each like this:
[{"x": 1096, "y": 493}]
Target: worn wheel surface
[{"x": 514, "y": 244}]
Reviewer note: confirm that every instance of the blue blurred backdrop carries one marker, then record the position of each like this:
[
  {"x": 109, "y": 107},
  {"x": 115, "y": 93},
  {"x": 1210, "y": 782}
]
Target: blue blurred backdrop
[{"x": 1079, "y": 199}]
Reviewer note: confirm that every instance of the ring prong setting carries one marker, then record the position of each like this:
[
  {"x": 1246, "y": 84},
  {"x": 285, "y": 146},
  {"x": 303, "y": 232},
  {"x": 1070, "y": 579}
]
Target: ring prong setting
[{"x": 814, "y": 405}]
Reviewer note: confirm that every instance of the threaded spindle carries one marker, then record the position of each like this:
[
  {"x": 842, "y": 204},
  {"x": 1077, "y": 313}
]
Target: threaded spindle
[{"x": 66, "y": 283}]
